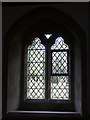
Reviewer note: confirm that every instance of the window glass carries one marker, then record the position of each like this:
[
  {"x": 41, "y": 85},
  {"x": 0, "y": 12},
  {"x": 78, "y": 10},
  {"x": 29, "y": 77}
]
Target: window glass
[
  {"x": 36, "y": 70},
  {"x": 60, "y": 77}
]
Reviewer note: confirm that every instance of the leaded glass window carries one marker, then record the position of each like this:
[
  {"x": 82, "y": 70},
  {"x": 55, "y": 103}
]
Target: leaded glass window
[
  {"x": 58, "y": 84},
  {"x": 60, "y": 76},
  {"x": 36, "y": 70}
]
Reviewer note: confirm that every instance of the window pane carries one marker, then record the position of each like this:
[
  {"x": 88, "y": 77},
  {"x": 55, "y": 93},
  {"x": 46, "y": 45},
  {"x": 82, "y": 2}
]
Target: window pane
[
  {"x": 59, "y": 62},
  {"x": 59, "y": 44},
  {"x": 36, "y": 70},
  {"x": 59, "y": 87},
  {"x": 48, "y": 35},
  {"x": 60, "y": 78},
  {"x": 36, "y": 87}
]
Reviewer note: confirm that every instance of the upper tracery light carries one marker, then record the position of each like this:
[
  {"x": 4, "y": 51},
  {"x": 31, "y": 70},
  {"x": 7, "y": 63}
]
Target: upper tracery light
[{"x": 48, "y": 35}]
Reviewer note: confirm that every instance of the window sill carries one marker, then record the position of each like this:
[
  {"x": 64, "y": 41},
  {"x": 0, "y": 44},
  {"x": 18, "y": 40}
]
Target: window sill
[{"x": 43, "y": 114}]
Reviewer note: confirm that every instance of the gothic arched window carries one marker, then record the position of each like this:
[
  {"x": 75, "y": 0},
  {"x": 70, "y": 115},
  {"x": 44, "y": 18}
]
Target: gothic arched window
[
  {"x": 36, "y": 70},
  {"x": 43, "y": 82}
]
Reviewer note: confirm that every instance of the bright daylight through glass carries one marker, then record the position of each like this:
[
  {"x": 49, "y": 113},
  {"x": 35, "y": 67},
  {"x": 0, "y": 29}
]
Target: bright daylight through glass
[
  {"x": 60, "y": 78},
  {"x": 36, "y": 70},
  {"x": 59, "y": 83}
]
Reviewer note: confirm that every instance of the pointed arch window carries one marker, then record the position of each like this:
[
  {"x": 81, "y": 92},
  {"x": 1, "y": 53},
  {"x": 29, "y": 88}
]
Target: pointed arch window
[
  {"x": 43, "y": 82},
  {"x": 60, "y": 70},
  {"x": 36, "y": 70}
]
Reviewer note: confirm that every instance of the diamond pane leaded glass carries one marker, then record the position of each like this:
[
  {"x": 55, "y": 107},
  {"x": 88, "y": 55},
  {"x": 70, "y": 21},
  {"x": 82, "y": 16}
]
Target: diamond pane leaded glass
[
  {"x": 36, "y": 70},
  {"x": 59, "y": 87},
  {"x": 60, "y": 78},
  {"x": 59, "y": 62},
  {"x": 59, "y": 44}
]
